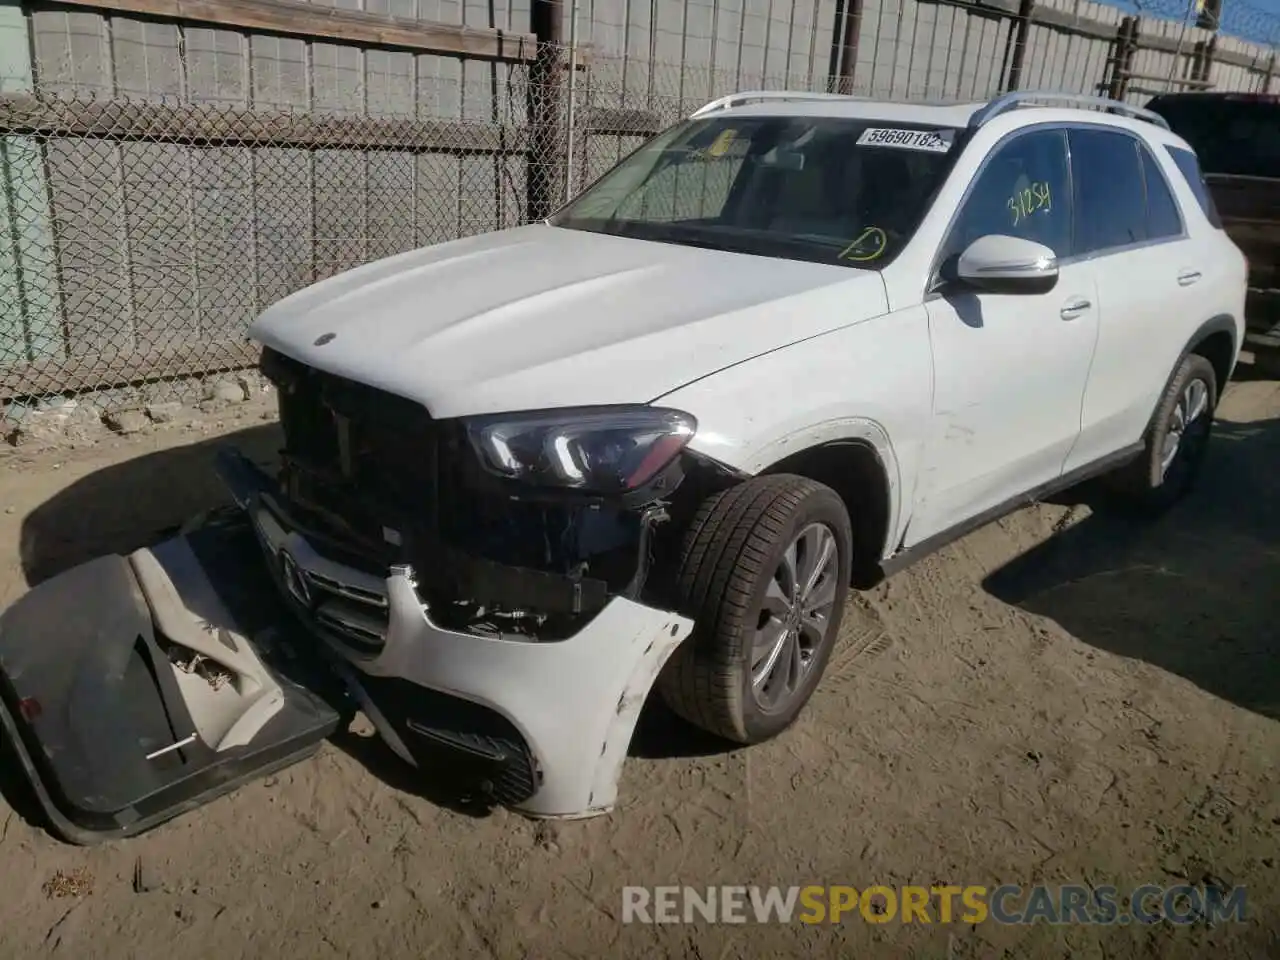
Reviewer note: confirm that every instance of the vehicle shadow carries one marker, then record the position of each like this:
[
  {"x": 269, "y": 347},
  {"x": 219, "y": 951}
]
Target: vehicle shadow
[
  {"x": 130, "y": 504},
  {"x": 127, "y": 505},
  {"x": 1194, "y": 593}
]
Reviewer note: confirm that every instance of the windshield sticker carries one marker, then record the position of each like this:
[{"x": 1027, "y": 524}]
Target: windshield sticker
[
  {"x": 930, "y": 141},
  {"x": 1031, "y": 199},
  {"x": 869, "y": 245},
  {"x": 720, "y": 146}
]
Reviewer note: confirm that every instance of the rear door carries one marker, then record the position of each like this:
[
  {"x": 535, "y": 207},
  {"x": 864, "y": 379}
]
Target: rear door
[
  {"x": 1149, "y": 274},
  {"x": 1236, "y": 138}
]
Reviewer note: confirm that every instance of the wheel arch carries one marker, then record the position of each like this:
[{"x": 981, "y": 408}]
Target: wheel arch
[
  {"x": 1217, "y": 341},
  {"x": 855, "y": 468}
]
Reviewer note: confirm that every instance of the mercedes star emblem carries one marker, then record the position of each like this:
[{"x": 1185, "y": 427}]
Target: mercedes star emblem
[{"x": 294, "y": 581}]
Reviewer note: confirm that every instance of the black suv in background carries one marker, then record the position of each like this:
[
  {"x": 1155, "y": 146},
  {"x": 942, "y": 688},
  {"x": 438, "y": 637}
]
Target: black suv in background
[{"x": 1237, "y": 138}]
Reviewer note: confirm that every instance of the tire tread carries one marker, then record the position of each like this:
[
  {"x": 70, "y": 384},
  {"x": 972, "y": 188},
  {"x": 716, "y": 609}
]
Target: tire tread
[{"x": 724, "y": 553}]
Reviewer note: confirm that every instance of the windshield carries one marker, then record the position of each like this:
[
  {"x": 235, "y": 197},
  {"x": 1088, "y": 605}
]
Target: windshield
[
  {"x": 823, "y": 189},
  {"x": 1233, "y": 137}
]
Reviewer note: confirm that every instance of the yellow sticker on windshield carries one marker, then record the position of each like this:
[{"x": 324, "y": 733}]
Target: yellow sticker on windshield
[
  {"x": 722, "y": 144},
  {"x": 869, "y": 245}
]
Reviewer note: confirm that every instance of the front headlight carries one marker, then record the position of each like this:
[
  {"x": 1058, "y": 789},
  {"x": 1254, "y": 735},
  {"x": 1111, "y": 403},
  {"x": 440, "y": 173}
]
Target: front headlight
[{"x": 600, "y": 450}]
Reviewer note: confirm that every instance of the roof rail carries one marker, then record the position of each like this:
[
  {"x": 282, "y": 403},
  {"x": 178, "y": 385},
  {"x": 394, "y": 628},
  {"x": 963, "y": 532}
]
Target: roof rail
[
  {"x": 765, "y": 96},
  {"x": 1012, "y": 100}
]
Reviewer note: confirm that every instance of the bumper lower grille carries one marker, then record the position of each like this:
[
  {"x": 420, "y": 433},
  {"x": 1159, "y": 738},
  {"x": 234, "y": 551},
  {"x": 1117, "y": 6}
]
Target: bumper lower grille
[{"x": 479, "y": 753}]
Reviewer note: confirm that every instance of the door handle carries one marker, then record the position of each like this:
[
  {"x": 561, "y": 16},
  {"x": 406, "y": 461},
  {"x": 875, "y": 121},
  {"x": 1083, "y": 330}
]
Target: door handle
[
  {"x": 1187, "y": 277},
  {"x": 1073, "y": 308}
]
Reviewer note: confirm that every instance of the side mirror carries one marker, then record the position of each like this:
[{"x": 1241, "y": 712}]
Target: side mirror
[{"x": 1000, "y": 264}]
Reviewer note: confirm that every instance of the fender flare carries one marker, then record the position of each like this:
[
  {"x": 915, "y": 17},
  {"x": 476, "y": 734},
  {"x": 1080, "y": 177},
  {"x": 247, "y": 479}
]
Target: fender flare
[
  {"x": 1222, "y": 323},
  {"x": 860, "y": 430}
]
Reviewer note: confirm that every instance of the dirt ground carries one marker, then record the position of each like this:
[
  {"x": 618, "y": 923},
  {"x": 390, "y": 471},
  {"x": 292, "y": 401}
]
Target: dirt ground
[{"x": 1061, "y": 697}]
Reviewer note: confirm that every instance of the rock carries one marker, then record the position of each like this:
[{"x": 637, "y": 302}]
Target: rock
[
  {"x": 228, "y": 391},
  {"x": 52, "y": 422},
  {"x": 144, "y": 877},
  {"x": 251, "y": 383},
  {"x": 127, "y": 421},
  {"x": 164, "y": 412}
]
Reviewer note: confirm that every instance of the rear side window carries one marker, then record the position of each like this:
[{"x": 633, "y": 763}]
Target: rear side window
[
  {"x": 1163, "y": 218},
  {"x": 1189, "y": 167},
  {"x": 1109, "y": 195}
]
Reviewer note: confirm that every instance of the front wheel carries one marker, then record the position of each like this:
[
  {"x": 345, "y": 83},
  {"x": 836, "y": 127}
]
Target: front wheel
[
  {"x": 1177, "y": 441},
  {"x": 764, "y": 572}
]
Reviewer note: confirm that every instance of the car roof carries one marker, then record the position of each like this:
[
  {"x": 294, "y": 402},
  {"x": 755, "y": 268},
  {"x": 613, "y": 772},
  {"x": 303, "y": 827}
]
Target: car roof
[
  {"x": 1018, "y": 108},
  {"x": 939, "y": 114}
]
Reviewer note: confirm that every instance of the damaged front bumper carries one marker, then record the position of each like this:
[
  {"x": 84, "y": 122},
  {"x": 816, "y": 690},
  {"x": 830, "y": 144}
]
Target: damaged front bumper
[{"x": 545, "y": 724}]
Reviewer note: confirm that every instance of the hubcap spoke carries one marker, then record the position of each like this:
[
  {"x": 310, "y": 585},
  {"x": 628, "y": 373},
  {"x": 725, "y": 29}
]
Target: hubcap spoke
[
  {"x": 1192, "y": 406},
  {"x": 817, "y": 545},
  {"x": 768, "y": 646},
  {"x": 795, "y": 663},
  {"x": 822, "y": 596},
  {"x": 1196, "y": 400}
]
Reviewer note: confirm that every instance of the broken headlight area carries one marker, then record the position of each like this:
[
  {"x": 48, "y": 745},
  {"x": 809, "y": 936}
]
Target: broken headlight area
[{"x": 519, "y": 526}]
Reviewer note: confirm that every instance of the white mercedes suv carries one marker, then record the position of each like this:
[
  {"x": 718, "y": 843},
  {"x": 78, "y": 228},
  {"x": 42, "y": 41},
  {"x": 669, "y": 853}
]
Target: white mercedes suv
[{"x": 785, "y": 347}]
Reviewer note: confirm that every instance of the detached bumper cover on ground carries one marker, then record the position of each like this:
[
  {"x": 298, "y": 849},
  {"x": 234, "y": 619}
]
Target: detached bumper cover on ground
[
  {"x": 137, "y": 688},
  {"x": 117, "y": 728}
]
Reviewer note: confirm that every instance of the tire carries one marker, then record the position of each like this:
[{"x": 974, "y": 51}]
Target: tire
[
  {"x": 733, "y": 563},
  {"x": 1149, "y": 483}
]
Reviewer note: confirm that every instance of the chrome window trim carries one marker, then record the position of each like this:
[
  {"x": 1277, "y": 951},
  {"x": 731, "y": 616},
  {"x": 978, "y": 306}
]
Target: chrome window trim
[{"x": 1065, "y": 127}]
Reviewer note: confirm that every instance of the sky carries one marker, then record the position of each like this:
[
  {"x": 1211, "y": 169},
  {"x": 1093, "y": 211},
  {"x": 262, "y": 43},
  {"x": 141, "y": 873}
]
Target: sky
[{"x": 1256, "y": 20}]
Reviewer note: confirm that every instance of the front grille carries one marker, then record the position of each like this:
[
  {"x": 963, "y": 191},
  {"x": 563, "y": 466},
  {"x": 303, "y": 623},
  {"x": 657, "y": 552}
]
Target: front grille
[{"x": 362, "y": 457}]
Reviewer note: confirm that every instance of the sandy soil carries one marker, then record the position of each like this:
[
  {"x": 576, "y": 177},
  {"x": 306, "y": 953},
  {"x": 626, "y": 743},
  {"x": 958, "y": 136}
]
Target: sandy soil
[{"x": 1061, "y": 697}]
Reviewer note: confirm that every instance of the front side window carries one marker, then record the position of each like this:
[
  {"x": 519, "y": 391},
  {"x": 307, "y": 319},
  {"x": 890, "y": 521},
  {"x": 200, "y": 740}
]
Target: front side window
[
  {"x": 1022, "y": 191},
  {"x": 1110, "y": 197},
  {"x": 823, "y": 189}
]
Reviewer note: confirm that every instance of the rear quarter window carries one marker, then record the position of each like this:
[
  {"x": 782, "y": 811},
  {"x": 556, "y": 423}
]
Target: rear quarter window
[{"x": 1189, "y": 167}]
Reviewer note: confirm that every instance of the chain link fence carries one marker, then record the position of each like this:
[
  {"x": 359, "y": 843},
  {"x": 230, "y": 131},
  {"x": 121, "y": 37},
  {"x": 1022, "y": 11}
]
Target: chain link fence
[{"x": 139, "y": 237}]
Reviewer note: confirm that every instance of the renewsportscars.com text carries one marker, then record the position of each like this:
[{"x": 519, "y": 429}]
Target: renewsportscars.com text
[{"x": 1006, "y": 904}]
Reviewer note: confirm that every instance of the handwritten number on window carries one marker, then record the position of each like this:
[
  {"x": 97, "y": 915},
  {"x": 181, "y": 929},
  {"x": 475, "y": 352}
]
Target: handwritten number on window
[{"x": 1032, "y": 199}]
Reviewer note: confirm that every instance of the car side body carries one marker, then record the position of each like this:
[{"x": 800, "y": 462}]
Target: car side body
[{"x": 959, "y": 412}]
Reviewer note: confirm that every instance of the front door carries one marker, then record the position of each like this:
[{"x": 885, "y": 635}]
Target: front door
[{"x": 1009, "y": 369}]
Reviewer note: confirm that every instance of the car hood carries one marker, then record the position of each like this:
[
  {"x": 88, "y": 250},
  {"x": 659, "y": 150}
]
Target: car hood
[{"x": 540, "y": 316}]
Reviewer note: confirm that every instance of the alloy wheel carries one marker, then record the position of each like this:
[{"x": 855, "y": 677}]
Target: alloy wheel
[{"x": 795, "y": 617}]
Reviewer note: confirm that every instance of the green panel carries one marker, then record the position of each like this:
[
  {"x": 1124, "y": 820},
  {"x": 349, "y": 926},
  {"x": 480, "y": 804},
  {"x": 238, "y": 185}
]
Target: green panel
[{"x": 29, "y": 302}]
